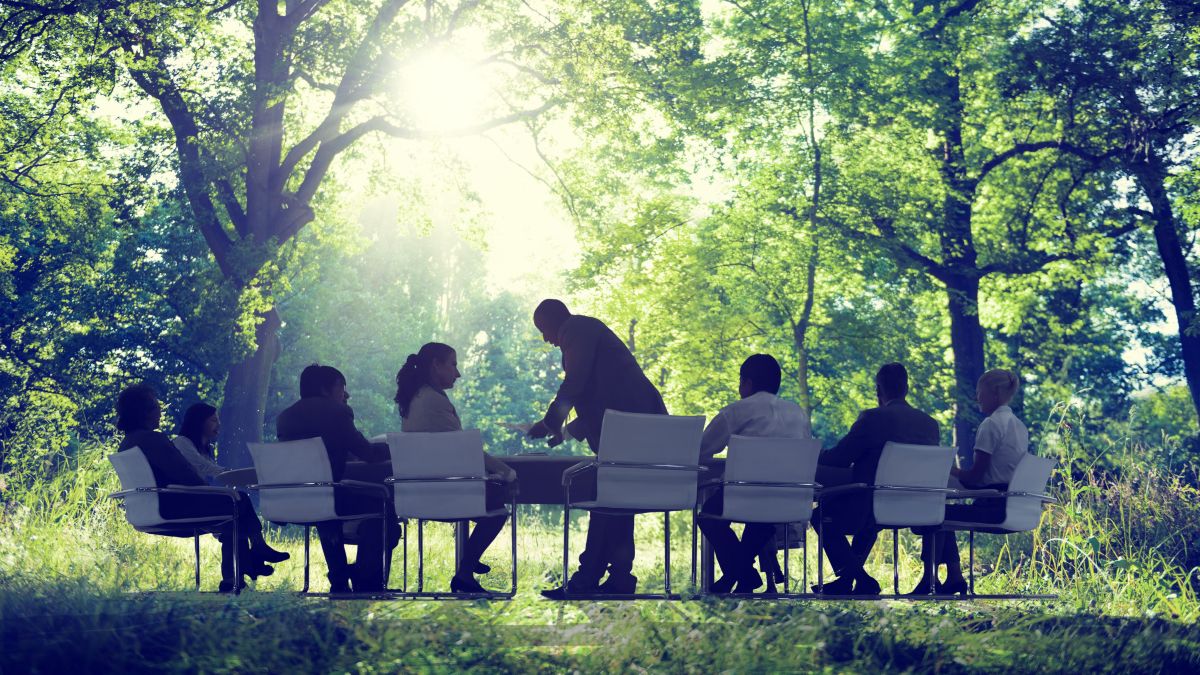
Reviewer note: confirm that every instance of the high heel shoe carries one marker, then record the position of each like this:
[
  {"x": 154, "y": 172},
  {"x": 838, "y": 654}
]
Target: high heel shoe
[
  {"x": 955, "y": 587},
  {"x": 466, "y": 585},
  {"x": 270, "y": 555}
]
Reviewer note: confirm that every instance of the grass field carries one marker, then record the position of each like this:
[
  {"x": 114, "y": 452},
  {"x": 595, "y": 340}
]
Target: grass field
[{"x": 1119, "y": 550}]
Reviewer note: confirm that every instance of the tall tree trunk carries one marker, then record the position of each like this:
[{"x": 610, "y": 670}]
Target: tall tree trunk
[
  {"x": 800, "y": 333},
  {"x": 1170, "y": 249},
  {"x": 966, "y": 342},
  {"x": 245, "y": 401}
]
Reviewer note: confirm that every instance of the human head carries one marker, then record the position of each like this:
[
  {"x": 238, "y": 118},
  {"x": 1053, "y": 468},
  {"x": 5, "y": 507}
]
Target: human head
[
  {"x": 760, "y": 372},
  {"x": 138, "y": 408},
  {"x": 323, "y": 381},
  {"x": 549, "y": 317},
  {"x": 891, "y": 383},
  {"x": 996, "y": 388},
  {"x": 200, "y": 425},
  {"x": 435, "y": 364}
]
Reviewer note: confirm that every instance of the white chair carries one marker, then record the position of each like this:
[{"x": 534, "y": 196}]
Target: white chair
[
  {"x": 440, "y": 476},
  {"x": 296, "y": 486},
  {"x": 769, "y": 480},
  {"x": 140, "y": 495},
  {"x": 909, "y": 491},
  {"x": 1023, "y": 504},
  {"x": 645, "y": 464}
]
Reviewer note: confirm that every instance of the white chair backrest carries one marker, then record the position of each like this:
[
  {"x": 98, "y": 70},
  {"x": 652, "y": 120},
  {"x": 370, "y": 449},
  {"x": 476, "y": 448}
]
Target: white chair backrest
[
  {"x": 907, "y": 465},
  {"x": 291, "y": 462},
  {"x": 133, "y": 469},
  {"x": 438, "y": 455},
  {"x": 1032, "y": 476},
  {"x": 648, "y": 439},
  {"x": 775, "y": 460}
]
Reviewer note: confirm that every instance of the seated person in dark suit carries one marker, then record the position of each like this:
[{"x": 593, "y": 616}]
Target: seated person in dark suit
[
  {"x": 322, "y": 413},
  {"x": 859, "y": 451},
  {"x": 759, "y": 412},
  {"x": 138, "y": 415}
]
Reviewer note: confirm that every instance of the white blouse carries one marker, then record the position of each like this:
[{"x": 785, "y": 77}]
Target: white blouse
[{"x": 205, "y": 466}]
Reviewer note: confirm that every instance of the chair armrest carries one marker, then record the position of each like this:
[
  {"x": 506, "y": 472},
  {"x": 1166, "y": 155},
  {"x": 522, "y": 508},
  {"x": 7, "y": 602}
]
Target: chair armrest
[
  {"x": 181, "y": 490},
  {"x": 432, "y": 479},
  {"x": 843, "y": 489},
  {"x": 697, "y": 468},
  {"x": 1046, "y": 499},
  {"x": 364, "y": 486},
  {"x": 569, "y": 473},
  {"x": 973, "y": 494},
  {"x": 765, "y": 483}
]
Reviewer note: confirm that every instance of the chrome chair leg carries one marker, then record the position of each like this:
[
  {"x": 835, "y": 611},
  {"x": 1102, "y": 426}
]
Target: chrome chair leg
[
  {"x": 307, "y": 537},
  {"x": 237, "y": 567},
  {"x": 820, "y": 553},
  {"x": 420, "y": 555},
  {"x": 693, "y": 549},
  {"x": 513, "y": 506},
  {"x": 804, "y": 573},
  {"x": 406, "y": 531},
  {"x": 667, "y": 551},
  {"x": 930, "y": 563},
  {"x": 566, "y": 541},
  {"x": 971, "y": 562},
  {"x": 786, "y": 573},
  {"x": 895, "y": 561},
  {"x": 196, "y": 540}
]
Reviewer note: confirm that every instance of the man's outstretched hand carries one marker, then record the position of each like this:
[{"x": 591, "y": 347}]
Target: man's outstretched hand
[{"x": 542, "y": 430}]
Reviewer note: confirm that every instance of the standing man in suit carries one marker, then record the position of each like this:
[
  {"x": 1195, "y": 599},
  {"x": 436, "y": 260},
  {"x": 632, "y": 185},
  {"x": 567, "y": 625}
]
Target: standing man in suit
[
  {"x": 854, "y": 460},
  {"x": 322, "y": 413},
  {"x": 600, "y": 374}
]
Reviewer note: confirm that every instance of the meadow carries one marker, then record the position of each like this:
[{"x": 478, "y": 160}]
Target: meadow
[{"x": 81, "y": 591}]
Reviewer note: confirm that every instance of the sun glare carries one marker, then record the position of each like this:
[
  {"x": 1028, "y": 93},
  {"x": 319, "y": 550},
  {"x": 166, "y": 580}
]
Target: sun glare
[{"x": 445, "y": 89}]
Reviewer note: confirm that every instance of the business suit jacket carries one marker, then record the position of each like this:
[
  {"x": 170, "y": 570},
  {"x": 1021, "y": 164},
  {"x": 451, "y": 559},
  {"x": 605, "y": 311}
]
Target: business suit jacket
[
  {"x": 170, "y": 468},
  {"x": 333, "y": 422},
  {"x": 861, "y": 447},
  {"x": 600, "y": 374}
]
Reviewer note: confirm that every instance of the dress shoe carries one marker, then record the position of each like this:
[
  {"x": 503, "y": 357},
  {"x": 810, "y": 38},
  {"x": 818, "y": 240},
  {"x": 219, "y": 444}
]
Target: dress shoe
[
  {"x": 839, "y": 586},
  {"x": 482, "y": 568},
  {"x": 257, "y": 570},
  {"x": 624, "y": 584},
  {"x": 573, "y": 587},
  {"x": 466, "y": 584},
  {"x": 922, "y": 588},
  {"x": 226, "y": 586},
  {"x": 866, "y": 585},
  {"x": 953, "y": 587},
  {"x": 747, "y": 583},
  {"x": 270, "y": 555},
  {"x": 723, "y": 585}
]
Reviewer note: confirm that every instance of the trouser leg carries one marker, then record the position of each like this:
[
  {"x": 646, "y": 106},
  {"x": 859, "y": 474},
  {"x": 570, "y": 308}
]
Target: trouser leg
[
  {"x": 482, "y": 536},
  {"x": 334, "y": 548},
  {"x": 754, "y": 541},
  {"x": 720, "y": 535}
]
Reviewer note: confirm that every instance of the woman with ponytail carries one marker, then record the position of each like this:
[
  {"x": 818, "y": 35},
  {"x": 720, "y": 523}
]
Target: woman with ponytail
[{"x": 424, "y": 406}]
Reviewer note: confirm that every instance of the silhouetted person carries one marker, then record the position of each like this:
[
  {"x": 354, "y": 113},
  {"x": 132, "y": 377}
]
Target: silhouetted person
[
  {"x": 138, "y": 415},
  {"x": 759, "y": 413},
  {"x": 197, "y": 433},
  {"x": 322, "y": 413},
  {"x": 859, "y": 450},
  {"x": 424, "y": 406},
  {"x": 600, "y": 374},
  {"x": 1000, "y": 443}
]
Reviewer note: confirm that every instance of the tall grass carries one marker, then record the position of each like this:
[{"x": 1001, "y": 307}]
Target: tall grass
[{"x": 1119, "y": 549}]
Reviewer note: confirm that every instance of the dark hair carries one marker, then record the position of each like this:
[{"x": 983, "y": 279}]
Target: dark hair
[
  {"x": 764, "y": 371},
  {"x": 414, "y": 374},
  {"x": 892, "y": 380},
  {"x": 316, "y": 379},
  {"x": 134, "y": 405},
  {"x": 552, "y": 310},
  {"x": 192, "y": 426}
]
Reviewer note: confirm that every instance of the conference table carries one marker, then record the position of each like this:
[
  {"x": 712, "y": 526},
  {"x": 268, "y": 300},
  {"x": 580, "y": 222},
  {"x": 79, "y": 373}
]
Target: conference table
[{"x": 539, "y": 481}]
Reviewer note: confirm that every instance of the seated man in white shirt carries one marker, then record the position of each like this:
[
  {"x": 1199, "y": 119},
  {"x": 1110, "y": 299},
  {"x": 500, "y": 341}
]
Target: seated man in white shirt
[{"x": 759, "y": 413}]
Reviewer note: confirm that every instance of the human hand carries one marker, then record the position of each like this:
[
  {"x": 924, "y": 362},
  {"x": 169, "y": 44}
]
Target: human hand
[
  {"x": 539, "y": 430},
  {"x": 554, "y": 439}
]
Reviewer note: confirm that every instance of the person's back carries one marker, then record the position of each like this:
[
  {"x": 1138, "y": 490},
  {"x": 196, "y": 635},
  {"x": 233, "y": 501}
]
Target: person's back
[
  {"x": 430, "y": 411},
  {"x": 1003, "y": 436},
  {"x": 604, "y": 373},
  {"x": 897, "y": 422},
  {"x": 331, "y": 420}
]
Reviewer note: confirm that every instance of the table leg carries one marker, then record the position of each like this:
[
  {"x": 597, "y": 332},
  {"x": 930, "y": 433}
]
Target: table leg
[{"x": 461, "y": 532}]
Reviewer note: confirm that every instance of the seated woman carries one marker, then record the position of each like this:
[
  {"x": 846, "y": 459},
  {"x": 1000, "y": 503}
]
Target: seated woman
[
  {"x": 138, "y": 416},
  {"x": 424, "y": 406},
  {"x": 197, "y": 433},
  {"x": 1000, "y": 443}
]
